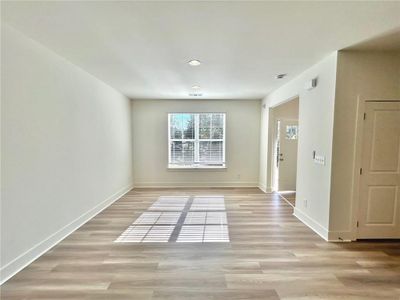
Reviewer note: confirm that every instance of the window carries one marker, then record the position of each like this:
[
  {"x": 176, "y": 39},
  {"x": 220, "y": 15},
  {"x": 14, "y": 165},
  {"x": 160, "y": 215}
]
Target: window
[
  {"x": 291, "y": 132},
  {"x": 196, "y": 140}
]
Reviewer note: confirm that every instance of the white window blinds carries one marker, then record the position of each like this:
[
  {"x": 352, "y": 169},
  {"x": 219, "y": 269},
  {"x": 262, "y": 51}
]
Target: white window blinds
[{"x": 196, "y": 140}]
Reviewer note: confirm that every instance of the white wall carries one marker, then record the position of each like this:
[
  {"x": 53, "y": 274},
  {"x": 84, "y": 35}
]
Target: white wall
[
  {"x": 287, "y": 110},
  {"x": 315, "y": 133},
  {"x": 150, "y": 149},
  {"x": 364, "y": 75},
  {"x": 65, "y": 148}
]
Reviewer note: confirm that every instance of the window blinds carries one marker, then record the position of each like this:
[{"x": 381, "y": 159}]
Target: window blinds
[{"x": 196, "y": 139}]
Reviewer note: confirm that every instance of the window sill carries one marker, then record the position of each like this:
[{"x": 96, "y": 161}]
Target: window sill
[{"x": 196, "y": 167}]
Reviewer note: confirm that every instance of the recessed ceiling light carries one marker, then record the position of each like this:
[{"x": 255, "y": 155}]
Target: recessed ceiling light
[
  {"x": 194, "y": 62},
  {"x": 196, "y": 87},
  {"x": 280, "y": 76}
]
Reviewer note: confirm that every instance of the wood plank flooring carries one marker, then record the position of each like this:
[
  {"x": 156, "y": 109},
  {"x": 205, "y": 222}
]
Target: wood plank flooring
[
  {"x": 271, "y": 255},
  {"x": 290, "y": 197}
]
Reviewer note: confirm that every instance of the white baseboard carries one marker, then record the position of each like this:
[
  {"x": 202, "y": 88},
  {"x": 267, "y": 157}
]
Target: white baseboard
[
  {"x": 340, "y": 236},
  {"x": 236, "y": 184},
  {"x": 314, "y": 225},
  {"x": 13, "y": 267},
  {"x": 262, "y": 187}
]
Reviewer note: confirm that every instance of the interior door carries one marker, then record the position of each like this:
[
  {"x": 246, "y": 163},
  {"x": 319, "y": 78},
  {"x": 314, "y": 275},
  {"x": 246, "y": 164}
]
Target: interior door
[
  {"x": 287, "y": 160},
  {"x": 379, "y": 211}
]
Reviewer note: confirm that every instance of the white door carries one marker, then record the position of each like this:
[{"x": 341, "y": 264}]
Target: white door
[
  {"x": 379, "y": 211},
  {"x": 287, "y": 160}
]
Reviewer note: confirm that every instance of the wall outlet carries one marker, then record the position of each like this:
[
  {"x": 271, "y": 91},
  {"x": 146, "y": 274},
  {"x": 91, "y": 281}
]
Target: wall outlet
[
  {"x": 238, "y": 176},
  {"x": 305, "y": 203}
]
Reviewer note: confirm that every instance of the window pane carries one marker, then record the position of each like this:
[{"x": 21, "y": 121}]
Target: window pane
[
  {"x": 188, "y": 126},
  {"x": 217, "y": 120},
  {"x": 291, "y": 132},
  {"x": 205, "y": 126},
  {"x": 176, "y": 152},
  {"x": 216, "y": 154},
  {"x": 182, "y": 152},
  {"x": 217, "y": 127},
  {"x": 217, "y": 133},
  {"x": 176, "y": 126},
  {"x": 211, "y": 152},
  {"x": 204, "y": 151},
  {"x": 182, "y": 126},
  {"x": 188, "y": 152}
]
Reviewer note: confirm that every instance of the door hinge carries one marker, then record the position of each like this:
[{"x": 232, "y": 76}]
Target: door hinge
[
  {"x": 365, "y": 116},
  {"x": 360, "y": 171},
  {"x": 358, "y": 223}
]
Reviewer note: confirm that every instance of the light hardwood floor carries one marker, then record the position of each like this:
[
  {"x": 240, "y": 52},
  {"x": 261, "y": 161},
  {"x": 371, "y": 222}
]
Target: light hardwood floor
[
  {"x": 271, "y": 255},
  {"x": 289, "y": 197}
]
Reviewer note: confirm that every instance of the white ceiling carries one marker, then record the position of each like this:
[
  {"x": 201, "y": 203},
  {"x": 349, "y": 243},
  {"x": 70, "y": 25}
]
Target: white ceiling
[{"x": 141, "y": 48}]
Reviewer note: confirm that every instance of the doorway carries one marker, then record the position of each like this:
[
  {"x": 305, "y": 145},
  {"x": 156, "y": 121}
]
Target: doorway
[
  {"x": 285, "y": 118},
  {"x": 379, "y": 195}
]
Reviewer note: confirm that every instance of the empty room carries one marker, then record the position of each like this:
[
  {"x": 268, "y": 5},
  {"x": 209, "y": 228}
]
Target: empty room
[{"x": 202, "y": 150}]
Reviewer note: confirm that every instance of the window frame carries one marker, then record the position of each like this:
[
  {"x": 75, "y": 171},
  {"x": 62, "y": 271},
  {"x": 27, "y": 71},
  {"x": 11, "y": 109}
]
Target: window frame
[{"x": 196, "y": 143}]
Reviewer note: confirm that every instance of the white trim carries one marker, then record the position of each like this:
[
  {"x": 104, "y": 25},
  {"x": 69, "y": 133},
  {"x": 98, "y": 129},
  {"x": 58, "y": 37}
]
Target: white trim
[
  {"x": 262, "y": 187},
  {"x": 169, "y": 137},
  {"x": 357, "y": 155},
  {"x": 266, "y": 189},
  {"x": 340, "y": 236},
  {"x": 196, "y": 184},
  {"x": 196, "y": 138},
  {"x": 272, "y": 128},
  {"x": 314, "y": 225},
  {"x": 274, "y": 157},
  {"x": 286, "y": 200},
  {"x": 195, "y": 167},
  {"x": 224, "y": 138},
  {"x": 39, "y": 249}
]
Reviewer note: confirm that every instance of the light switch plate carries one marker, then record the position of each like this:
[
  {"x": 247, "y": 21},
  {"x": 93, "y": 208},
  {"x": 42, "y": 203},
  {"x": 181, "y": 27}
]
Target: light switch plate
[{"x": 319, "y": 159}]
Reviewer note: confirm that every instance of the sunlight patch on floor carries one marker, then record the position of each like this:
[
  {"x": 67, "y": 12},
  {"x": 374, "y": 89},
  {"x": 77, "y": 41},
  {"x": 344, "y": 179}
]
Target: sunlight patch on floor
[{"x": 182, "y": 219}]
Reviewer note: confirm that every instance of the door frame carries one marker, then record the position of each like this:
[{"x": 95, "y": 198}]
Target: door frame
[
  {"x": 271, "y": 134},
  {"x": 357, "y": 155},
  {"x": 275, "y": 170}
]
